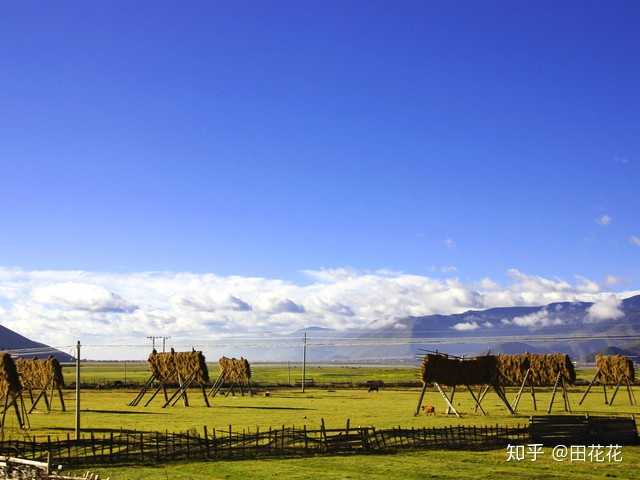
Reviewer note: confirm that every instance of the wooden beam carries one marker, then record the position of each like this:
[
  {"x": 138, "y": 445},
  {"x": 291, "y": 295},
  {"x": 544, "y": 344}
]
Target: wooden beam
[
  {"x": 4, "y": 410},
  {"x": 502, "y": 396},
  {"x": 43, "y": 393},
  {"x": 484, "y": 389},
  {"x": 593, "y": 380},
  {"x": 565, "y": 395},
  {"x": 204, "y": 395},
  {"x": 615, "y": 392},
  {"x": 453, "y": 392},
  {"x": 451, "y": 407},
  {"x": 632, "y": 397},
  {"x": 216, "y": 386},
  {"x": 553, "y": 394},
  {"x": 142, "y": 391},
  {"x": 533, "y": 396},
  {"x": 476, "y": 400},
  {"x": 424, "y": 389},
  {"x": 524, "y": 381},
  {"x": 153, "y": 395},
  {"x": 61, "y": 397}
]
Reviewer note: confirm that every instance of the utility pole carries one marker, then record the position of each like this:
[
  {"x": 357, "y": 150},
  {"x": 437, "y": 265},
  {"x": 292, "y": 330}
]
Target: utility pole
[
  {"x": 78, "y": 391},
  {"x": 304, "y": 361},
  {"x": 158, "y": 337}
]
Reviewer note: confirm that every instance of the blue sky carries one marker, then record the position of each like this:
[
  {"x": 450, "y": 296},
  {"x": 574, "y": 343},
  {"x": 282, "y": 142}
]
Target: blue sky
[{"x": 266, "y": 138}]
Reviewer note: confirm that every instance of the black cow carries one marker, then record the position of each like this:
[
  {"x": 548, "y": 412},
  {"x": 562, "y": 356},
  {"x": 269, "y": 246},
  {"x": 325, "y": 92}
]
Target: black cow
[{"x": 375, "y": 385}]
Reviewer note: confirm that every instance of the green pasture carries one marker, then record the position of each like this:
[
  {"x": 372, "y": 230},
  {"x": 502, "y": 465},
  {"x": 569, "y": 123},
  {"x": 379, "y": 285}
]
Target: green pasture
[
  {"x": 271, "y": 374},
  {"x": 107, "y": 410},
  {"x": 267, "y": 373},
  {"x": 427, "y": 464}
]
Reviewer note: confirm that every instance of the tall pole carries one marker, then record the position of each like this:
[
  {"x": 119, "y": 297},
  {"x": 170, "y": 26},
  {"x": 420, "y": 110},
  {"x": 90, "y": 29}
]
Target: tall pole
[
  {"x": 164, "y": 339},
  {"x": 304, "y": 361},
  {"x": 153, "y": 341},
  {"x": 78, "y": 390}
]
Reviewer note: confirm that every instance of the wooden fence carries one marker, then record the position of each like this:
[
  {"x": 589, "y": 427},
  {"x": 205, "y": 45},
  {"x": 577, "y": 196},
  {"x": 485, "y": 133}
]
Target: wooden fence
[
  {"x": 583, "y": 430},
  {"x": 134, "y": 447},
  {"x": 131, "y": 447}
]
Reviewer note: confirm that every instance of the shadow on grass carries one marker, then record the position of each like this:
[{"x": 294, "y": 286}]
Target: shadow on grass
[
  {"x": 124, "y": 412},
  {"x": 266, "y": 408}
]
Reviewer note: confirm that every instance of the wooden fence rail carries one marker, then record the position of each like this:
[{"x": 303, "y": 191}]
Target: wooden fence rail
[
  {"x": 146, "y": 447},
  {"x": 137, "y": 447}
]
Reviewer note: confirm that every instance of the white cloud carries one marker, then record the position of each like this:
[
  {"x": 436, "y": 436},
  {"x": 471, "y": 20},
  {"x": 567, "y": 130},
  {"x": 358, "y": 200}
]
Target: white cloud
[
  {"x": 449, "y": 243},
  {"x": 466, "y": 326},
  {"x": 57, "y": 307},
  {"x": 81, "y": 296},
  {"x": 607, "y": 308},
  {"x": 604, "y": 220},
  {"x": 635, "y": 240},
  {"x": 538, "y": 319}
]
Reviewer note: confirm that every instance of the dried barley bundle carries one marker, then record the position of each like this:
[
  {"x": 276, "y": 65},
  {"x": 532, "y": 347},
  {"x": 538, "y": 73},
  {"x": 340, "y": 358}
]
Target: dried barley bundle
[
  {"x": 544, "y": 368},
  {"x": 235, "y": 370},
  {"x": 451, "y": 371},
  {"x": 35, "y": 374},
  {"x": 9, "y": 379},
  {"x": 167, "y": 367},
  {"x": 615, "y": 368}
]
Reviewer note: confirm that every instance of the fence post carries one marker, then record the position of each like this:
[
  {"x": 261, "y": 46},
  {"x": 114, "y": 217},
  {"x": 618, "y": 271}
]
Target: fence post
[
  {"x": 206, "y": 441},
  {"x": 257, "y": 438},
  {"x": 141, "y": 447},
  {"x": 306, "y": 439}
]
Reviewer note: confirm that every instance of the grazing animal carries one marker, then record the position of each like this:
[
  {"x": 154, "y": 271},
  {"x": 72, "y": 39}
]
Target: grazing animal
[
  {"x": 429, "y": 409},
  {"x": 374, "y": 385}
]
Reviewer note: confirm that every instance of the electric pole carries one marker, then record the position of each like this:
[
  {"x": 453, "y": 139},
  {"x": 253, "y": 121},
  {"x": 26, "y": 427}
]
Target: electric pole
[
  {"x": 304, "y": 361},
  {"x": 78, "y": 391},
  {"x": 158, "y": 337}
]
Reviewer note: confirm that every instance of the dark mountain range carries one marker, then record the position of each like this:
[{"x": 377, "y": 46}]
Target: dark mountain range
[
  {"x": 434, "y": 332},
  {"x": 504, "y": 330},
  {"x": 10, "y": 340}
]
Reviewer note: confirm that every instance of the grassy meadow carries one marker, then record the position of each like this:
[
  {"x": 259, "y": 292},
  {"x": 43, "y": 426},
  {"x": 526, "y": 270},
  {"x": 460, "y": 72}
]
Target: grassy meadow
[{"x": 108, "y": 410}]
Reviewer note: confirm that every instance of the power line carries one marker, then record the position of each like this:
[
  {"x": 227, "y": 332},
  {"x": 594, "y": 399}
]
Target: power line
[{"x": 342, "y": 342}]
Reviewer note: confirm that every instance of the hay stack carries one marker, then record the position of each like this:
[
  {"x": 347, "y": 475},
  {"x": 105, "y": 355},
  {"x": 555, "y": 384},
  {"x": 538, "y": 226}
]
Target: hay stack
[
  {"x": 35, "y": 374},
  {"x": 615, "y": 368},
  {"x": 9, "y": 379},
  {"x": 167, "y": 366},
  {"x": 450, "y": 371},
  {"x": 235, "y": 370},
  {"x": 544, "y": 368}
]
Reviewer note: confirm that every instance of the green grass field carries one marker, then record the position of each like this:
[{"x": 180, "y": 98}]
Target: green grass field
[
  {"x": 107, "y": 409},
  {"x": 104, "y": 372}
]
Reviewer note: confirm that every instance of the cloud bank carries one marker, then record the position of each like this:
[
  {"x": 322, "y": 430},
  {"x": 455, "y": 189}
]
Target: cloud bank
[{"x": 58, "y": 307}]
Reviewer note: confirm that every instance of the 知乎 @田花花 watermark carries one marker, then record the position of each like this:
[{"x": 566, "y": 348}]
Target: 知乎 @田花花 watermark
[{"x": 561, "y": 453}]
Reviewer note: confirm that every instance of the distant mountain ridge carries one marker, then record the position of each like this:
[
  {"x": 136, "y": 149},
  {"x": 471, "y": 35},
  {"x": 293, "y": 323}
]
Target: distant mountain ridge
[
  {"x": 556, "y": 319},
  {"x": 564, "y": 319},
  {"x": 10, "y": 340}
]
